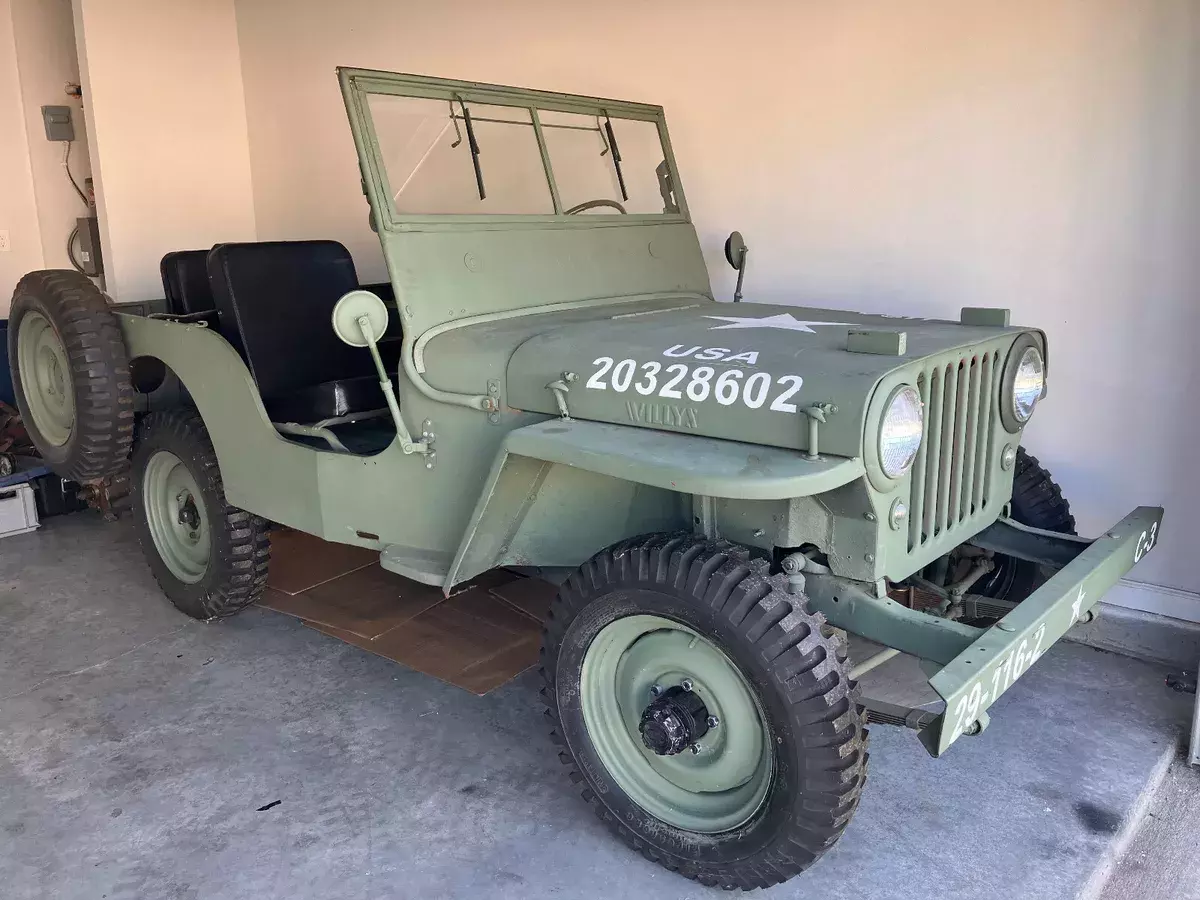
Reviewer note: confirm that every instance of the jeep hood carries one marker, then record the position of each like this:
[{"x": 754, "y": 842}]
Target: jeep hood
[{"x": 668, "y": 368}]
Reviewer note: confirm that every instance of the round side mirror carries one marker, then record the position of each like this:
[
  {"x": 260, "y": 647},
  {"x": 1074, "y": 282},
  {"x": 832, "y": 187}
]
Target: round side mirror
[
  {"x": 350, "y": 309},
  {"x": 735, "y": 246}
]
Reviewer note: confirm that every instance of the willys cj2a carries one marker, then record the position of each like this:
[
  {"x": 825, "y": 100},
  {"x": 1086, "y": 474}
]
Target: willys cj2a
[{"x": 546, "y": 382}]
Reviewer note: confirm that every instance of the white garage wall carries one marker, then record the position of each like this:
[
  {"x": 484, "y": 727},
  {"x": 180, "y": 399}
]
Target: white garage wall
[
  {"x": 18, "y": 211},
  {"x": 46, "y": 59},
  {"x": 163, "y": 96},
  {"x": 903, "y": 157}
]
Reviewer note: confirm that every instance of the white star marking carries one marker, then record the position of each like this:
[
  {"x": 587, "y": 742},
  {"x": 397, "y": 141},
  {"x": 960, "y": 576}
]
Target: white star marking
[{"x": 785, "y": 321}]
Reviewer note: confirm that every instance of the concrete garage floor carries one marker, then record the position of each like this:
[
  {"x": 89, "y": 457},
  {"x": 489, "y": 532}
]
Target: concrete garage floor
[{"x": 145, "y": 755}]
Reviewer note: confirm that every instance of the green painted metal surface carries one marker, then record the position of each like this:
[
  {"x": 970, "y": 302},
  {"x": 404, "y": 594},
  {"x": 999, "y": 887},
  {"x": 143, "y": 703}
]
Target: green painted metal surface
[
  {"x": 682, "y": 463},
  {"x": 976, "y": 677},
  {"x": 720, "y": 785},
  {"x": 569, "y": 381},
  {"x": 853, "y": 606}
]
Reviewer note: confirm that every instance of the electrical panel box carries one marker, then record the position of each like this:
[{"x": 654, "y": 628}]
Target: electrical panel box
[
  {"x": 59, "y": 126},
  {"x": 89, "y": 246}
]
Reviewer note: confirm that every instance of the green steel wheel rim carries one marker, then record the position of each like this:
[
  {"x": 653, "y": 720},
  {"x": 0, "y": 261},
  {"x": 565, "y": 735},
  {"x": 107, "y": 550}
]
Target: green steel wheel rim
[
  {"x": 726, "y": 782},
  {"x": 46, "y": 378},
  {"x": 175, "y": 513}
]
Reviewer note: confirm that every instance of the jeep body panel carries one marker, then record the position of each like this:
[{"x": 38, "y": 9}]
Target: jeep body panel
[
  {"x": 530, "y": 506},
  {"x": 802, "y": 359},
  {"x": 574, "y": 383}
]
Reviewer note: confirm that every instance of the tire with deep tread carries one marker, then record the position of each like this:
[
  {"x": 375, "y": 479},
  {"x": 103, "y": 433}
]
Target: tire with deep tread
[
  {"x": 102, "y": 431},
  {"x": 236, "y": 575},
  {"x": 1037, "y": 501},
  {"x": 795, "y": 664}
]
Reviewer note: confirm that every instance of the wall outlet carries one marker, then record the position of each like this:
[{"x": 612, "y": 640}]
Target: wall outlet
[{"x": 5, "y": 244}]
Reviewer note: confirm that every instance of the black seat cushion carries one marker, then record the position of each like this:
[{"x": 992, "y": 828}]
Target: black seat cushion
[
  {"x": 276, "y": 301},
  {"x": 185, "y": 285},
  {"x": 328, "y": 400},
  {"x": 383, "y": 290}
]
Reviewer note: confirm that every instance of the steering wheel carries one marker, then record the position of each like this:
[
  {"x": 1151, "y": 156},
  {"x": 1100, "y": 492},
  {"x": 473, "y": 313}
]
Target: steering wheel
[{"x": 594, "y": 204}]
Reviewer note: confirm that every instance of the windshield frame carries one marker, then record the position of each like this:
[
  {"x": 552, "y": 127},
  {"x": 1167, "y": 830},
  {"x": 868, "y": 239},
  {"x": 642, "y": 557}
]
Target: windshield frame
[{"x": 357, "y": 84}]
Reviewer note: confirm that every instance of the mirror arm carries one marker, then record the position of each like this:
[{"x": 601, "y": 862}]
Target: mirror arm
[
  {"x": 406, "y": 442},
  {"x": 741, "y": 270}
]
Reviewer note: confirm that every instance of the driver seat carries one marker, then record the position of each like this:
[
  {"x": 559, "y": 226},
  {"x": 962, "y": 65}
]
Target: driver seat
[{"x": 275, "y": 303}]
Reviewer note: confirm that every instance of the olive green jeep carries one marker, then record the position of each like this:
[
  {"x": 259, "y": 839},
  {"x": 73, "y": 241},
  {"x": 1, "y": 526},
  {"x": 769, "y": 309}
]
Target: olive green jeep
[{"x": 723, "y": 491}]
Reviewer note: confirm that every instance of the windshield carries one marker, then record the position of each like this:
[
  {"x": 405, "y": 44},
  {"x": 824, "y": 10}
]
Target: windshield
[{"x": 457, "y": 157}]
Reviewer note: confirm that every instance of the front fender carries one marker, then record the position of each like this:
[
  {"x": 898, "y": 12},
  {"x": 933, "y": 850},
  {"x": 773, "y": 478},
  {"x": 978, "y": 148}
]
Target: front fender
[{"x": 560, "y": 490}]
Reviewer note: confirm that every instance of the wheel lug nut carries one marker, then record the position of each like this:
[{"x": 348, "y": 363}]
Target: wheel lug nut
[
  {"x": 713, "y": 721},
  {"x": 686, "y": 684},
  {"x": 656, "y": 689}
]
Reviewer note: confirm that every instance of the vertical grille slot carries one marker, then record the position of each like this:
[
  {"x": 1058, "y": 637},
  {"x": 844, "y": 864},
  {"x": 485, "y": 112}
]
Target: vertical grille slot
[
  {"x": 984, "y": 411},
  {"x": 947, "y": 419},
  {"x": 933, "y": 437},
  {"x": 951, "y": 476},
  {"x": 971, "y": 438},
  {"x": 993, "y": 412}
]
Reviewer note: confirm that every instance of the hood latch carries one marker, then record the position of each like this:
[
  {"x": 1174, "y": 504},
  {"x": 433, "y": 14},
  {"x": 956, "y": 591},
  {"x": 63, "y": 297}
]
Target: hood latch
[
  {"x": 817, "y": 414},
  {"x": 561, "y": 388}
]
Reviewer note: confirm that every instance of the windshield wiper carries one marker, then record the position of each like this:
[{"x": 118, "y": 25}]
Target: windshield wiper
[
  {"x": 472, "y": 144},
  {"x": 616, "y": 155}
]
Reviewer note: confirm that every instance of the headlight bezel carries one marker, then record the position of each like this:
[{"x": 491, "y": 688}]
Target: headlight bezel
[
  {"x": 1008, "y": 406},
  {"x": 880, "y": 479}
]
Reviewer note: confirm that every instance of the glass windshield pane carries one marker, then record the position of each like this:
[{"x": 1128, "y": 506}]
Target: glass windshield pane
[
  {"x": 426, "y": 150},
  {"x": 586, "y": 167}
]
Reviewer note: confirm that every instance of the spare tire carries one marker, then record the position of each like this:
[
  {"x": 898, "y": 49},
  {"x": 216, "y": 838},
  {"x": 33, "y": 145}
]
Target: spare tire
[{"x": 70, "y": 374}]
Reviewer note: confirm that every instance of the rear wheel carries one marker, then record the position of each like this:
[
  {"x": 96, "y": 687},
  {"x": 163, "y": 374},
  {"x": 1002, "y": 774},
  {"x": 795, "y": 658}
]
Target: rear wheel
[
  {"x": 209, "y": 558},
  {"x": 70, "y": 374},
  {"x": 707, "y": 714}
]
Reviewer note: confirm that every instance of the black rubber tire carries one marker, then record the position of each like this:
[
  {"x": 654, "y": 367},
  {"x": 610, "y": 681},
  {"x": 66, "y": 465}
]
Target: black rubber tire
[
  {"x": 1037, "y": 501},
  {"x": 796, "y": 665},
  {"x": 241, "y": 547},
  {"x": 99, "y": 369}
]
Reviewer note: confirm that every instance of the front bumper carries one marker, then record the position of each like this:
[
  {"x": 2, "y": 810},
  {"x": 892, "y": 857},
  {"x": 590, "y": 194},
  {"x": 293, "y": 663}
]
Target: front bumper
[{"x": 974, "y": 679}]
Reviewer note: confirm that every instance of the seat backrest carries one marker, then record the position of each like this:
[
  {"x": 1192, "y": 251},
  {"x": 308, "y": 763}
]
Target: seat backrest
[
  {"x": 185, "y": 282},
  {"x": 275, "y": 300}
]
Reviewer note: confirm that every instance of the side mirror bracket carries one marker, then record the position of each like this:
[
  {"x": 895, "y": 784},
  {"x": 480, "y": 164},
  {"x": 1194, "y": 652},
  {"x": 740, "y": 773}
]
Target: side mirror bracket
[
  {"x": 359, "y": 319},
  {"x": 735, "y": 255}
]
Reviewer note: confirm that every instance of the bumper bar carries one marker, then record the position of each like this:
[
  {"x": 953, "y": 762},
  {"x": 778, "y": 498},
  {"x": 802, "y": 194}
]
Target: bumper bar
[{"x": 977, "y": 676}]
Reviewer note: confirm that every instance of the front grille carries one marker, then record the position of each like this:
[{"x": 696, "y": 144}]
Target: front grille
[{"x": 951, "y": 477}]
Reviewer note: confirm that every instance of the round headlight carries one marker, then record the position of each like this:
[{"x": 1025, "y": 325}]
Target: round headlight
[
  {"x": 1028, "y": 382},
  {"x": 900, "y": 431}
]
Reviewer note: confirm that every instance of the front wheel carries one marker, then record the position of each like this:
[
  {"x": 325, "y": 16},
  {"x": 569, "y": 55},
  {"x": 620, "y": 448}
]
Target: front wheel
[
  {"x": 708, "y": 714},
  {"x": 209, "y": 558}
]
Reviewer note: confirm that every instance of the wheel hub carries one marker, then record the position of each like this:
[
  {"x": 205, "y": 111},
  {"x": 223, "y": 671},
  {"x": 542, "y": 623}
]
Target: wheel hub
[
  {"x": 188, "y": 514},
  {"x": 651, "y": 688},
  {"x": 45, "y": 379},
  {"x": 175, "y": 514},
  {"x": 673, "y": 722}
]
